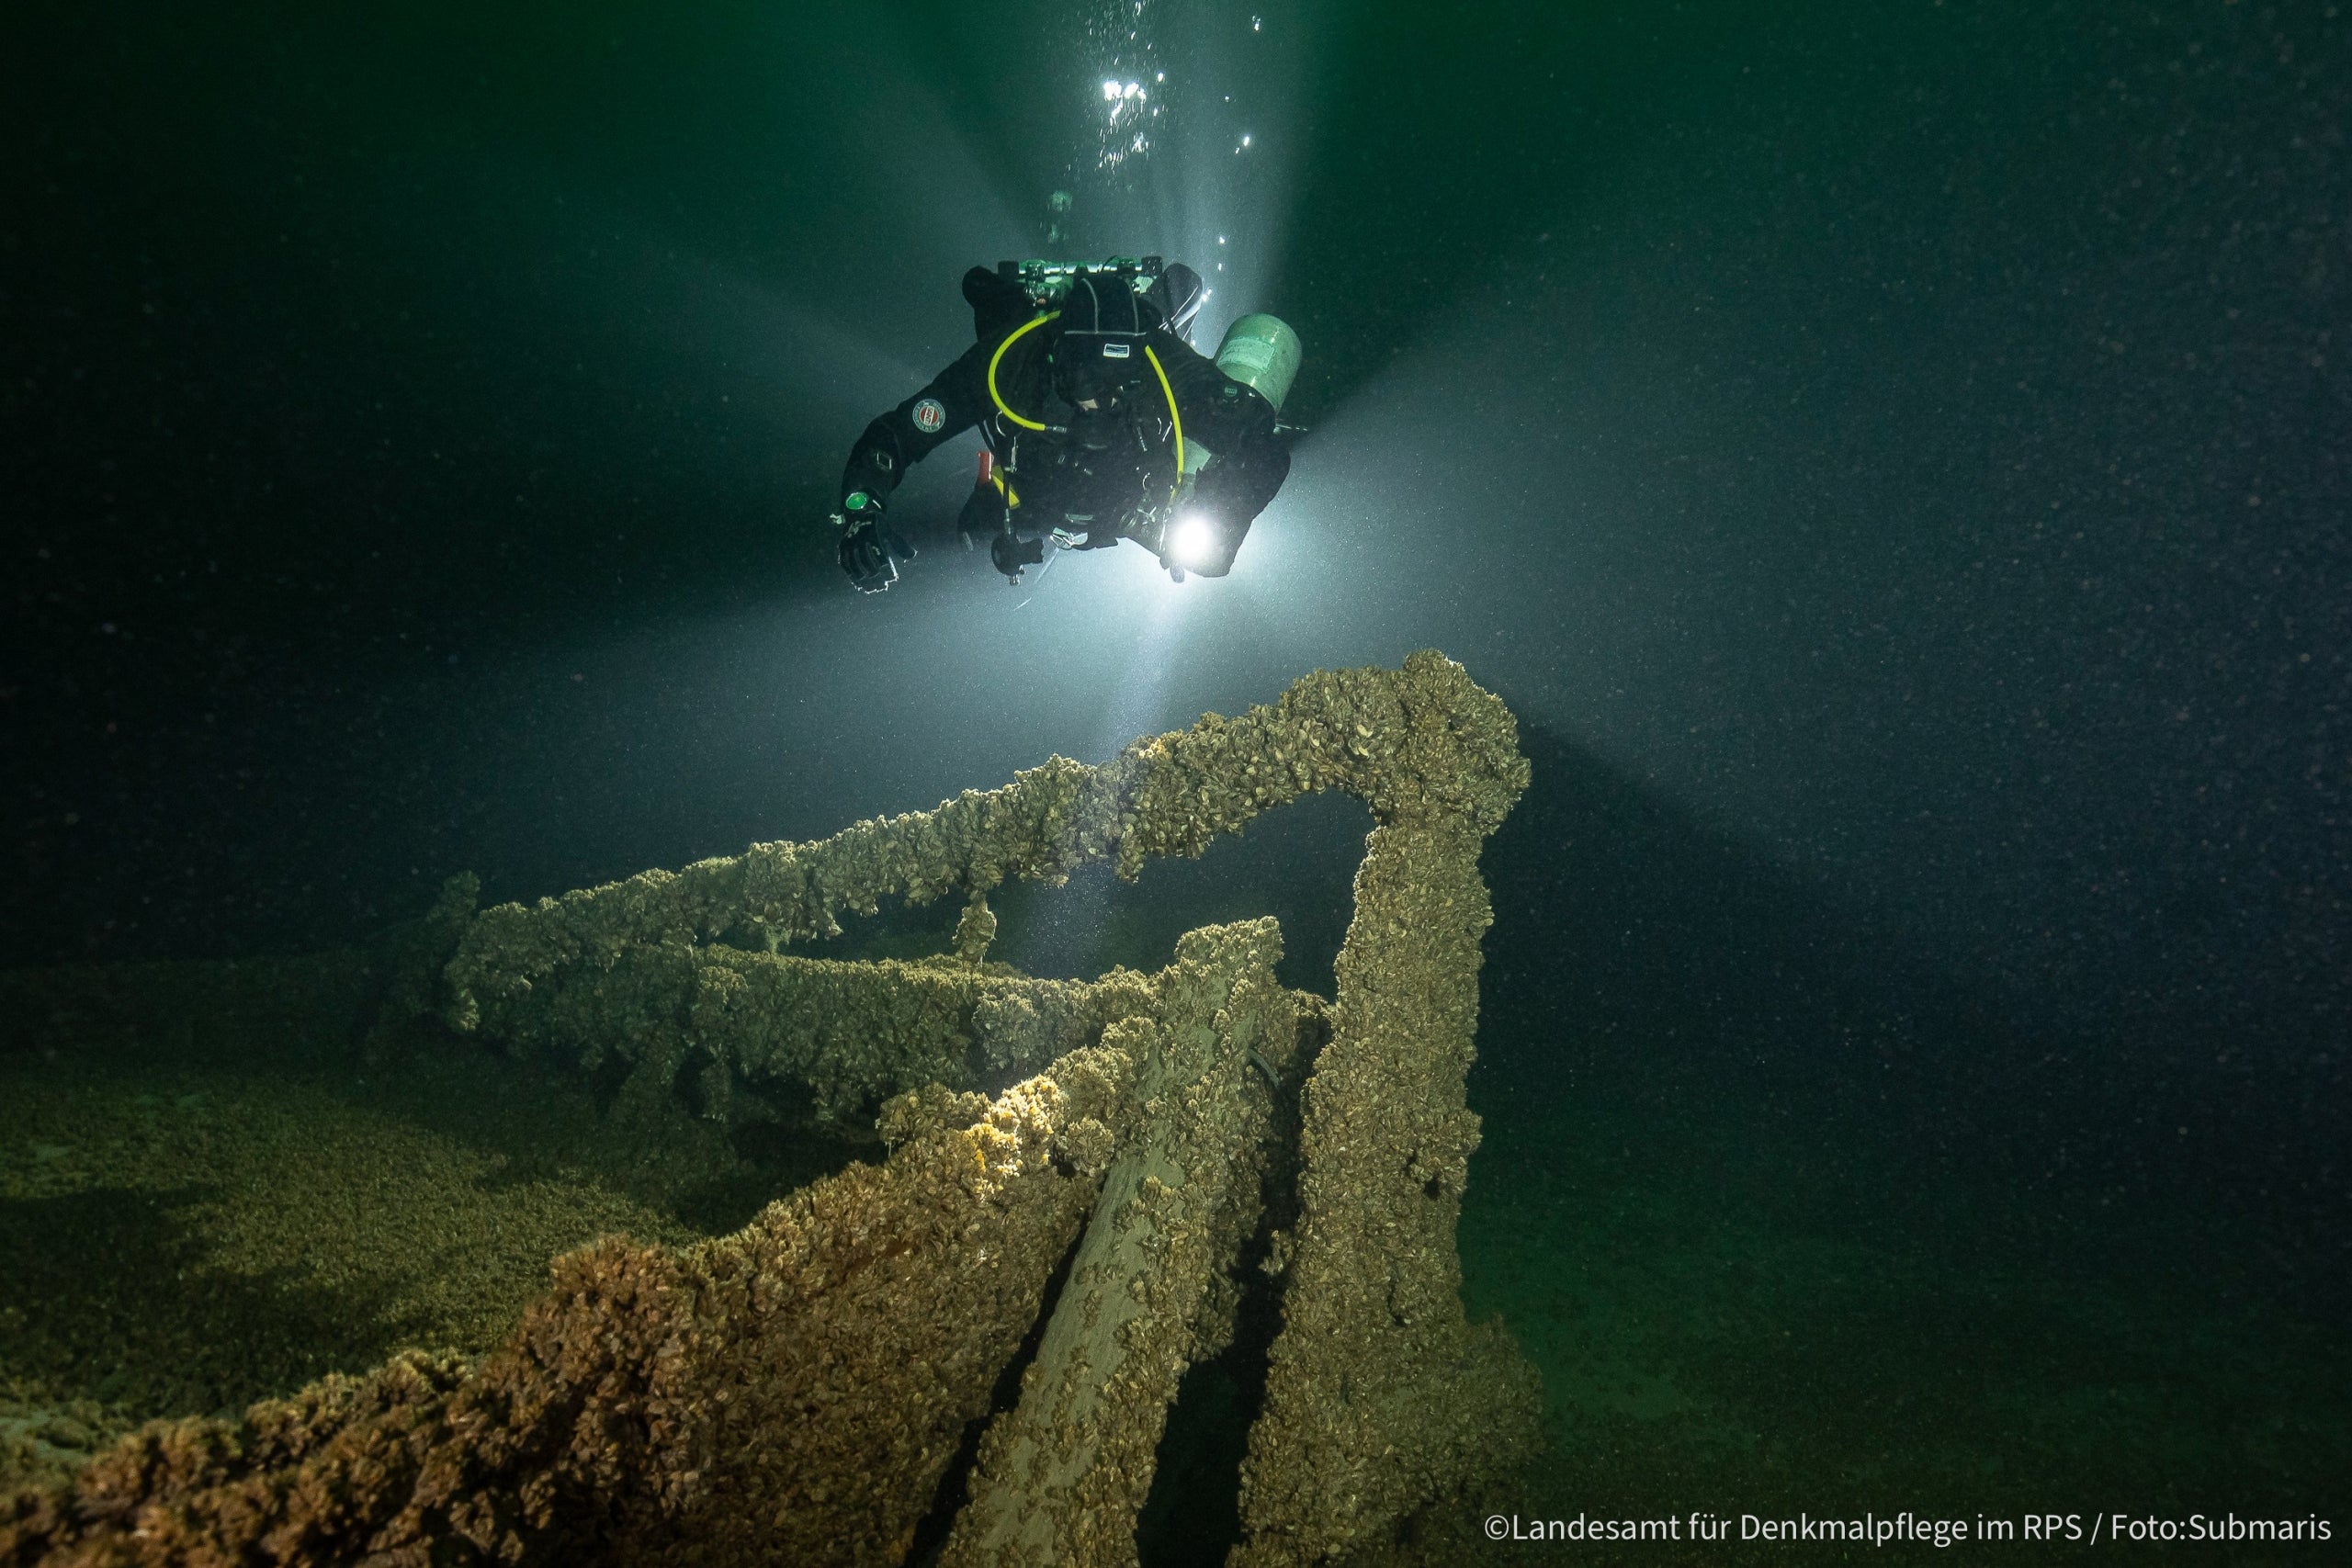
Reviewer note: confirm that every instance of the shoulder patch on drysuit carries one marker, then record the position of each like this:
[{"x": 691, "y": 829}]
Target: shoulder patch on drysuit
[{"x": 930, "y": 416}]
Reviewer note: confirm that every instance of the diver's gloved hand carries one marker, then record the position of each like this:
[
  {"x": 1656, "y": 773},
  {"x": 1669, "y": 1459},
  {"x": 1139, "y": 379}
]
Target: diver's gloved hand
[
  {"x": 867, "y": 545},
  {"x": 1009, "y": 554}
]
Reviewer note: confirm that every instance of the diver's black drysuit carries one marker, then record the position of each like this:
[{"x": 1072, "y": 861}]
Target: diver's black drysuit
[{"x": 1088, "y": 473}]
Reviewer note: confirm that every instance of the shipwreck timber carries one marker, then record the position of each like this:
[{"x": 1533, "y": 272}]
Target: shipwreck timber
[{"x": 797, "y": 1392}]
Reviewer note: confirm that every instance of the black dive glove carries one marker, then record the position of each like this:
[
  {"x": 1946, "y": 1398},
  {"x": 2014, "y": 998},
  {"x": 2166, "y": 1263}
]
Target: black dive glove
[{"x": 867, "y": 545}]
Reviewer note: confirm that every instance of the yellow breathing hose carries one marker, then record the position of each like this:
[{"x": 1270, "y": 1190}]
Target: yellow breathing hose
[
  {"x": 1175, "y": 417},
  {"x": 997, "y": 398}
]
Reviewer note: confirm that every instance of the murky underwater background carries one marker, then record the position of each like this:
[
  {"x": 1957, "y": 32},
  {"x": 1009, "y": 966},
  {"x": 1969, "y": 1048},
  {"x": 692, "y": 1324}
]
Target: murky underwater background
[{"x": 1890, "y": 456}]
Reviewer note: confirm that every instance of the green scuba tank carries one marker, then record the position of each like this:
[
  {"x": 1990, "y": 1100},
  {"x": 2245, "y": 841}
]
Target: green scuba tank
[{"x": 1262, "y": 353}]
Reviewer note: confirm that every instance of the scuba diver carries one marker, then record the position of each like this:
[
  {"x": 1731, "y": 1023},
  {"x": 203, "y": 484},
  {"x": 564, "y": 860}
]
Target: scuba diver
[{"x": 1102, "y": 423}]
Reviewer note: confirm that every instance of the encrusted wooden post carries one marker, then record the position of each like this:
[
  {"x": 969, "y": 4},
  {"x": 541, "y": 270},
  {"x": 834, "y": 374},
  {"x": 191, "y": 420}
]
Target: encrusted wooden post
[
  {"x": 1380, "y": 1395},
  {"x": 1062, "y": 1478}
]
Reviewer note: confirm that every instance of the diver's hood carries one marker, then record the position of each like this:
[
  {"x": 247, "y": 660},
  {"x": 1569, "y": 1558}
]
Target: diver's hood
[{"x": 1099, "y": 346}]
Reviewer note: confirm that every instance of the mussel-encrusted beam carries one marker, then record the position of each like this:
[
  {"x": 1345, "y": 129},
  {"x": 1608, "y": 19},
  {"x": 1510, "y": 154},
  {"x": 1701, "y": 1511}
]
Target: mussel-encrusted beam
[
  {"x": 793, "y": 1393},
  {"x": 1418, "y": 740},
  {"x": 1062, "y": 1477},
  {"x": 1380, "y": 1396},
  {"x": 854, "y": 1034}
]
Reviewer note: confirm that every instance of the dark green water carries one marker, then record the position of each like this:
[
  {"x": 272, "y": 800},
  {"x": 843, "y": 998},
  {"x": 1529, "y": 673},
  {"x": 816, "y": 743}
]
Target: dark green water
[{"x": 1892, "y": 458}]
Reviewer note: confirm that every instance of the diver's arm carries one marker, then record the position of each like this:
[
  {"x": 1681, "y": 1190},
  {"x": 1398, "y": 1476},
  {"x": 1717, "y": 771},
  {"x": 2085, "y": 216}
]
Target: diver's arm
[
  {"x": 950, "y": 404},
  {"x": 1250, "y": 460},
  {"x": 869, "y": 548},
  {"x": 1234, "y": 422}
]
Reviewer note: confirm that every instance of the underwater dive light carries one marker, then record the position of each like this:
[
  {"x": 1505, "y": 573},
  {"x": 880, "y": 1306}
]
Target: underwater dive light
[{"x": 1193, "y": 542}]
